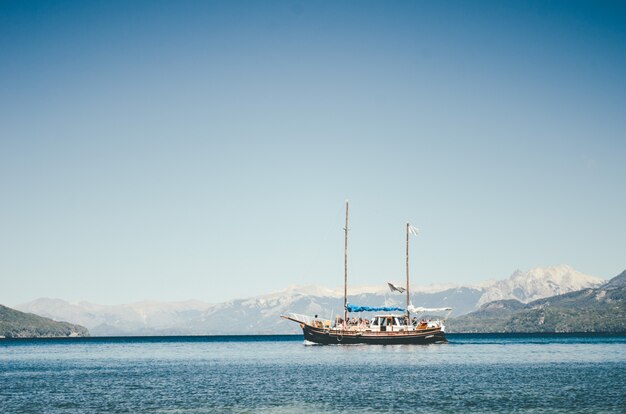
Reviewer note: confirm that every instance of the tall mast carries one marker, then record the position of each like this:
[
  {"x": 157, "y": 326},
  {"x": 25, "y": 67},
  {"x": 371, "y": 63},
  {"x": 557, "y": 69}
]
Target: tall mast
[
  {"x": 407, "y": 270},
  {"x": 345, "y": 269}
]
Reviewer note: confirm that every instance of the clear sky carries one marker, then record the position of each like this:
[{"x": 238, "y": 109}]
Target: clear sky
[{"x": 175, "y": 150}]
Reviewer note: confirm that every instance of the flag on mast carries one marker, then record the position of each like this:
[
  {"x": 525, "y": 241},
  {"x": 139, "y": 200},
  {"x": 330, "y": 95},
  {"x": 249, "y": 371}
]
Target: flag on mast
[
  {"x": 395, "y": 288},
  {"x": 413, "y": 230}
]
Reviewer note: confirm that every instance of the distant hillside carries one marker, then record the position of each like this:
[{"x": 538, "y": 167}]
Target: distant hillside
[
  {"x": 491, "y": 317},
  {"x": 601, "y": 309},
  {"x": 16, "y": 324},
  {"x": 617, "y": 281}
]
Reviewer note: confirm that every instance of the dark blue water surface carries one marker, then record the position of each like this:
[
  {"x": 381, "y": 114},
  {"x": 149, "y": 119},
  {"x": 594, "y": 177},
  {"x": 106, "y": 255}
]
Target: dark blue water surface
[{"x": 280, "y": 374}]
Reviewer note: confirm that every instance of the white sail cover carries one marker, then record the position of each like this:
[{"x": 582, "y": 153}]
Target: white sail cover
[{"x": 419, "y": 309}]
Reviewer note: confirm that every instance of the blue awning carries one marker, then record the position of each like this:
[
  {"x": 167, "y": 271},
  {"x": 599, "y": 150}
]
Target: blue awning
[{"x": 356, "y": 308}]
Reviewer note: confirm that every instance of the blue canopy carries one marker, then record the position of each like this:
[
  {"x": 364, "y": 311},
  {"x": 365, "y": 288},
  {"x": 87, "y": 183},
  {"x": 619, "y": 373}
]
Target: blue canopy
[{"x": 355, "y": 308}]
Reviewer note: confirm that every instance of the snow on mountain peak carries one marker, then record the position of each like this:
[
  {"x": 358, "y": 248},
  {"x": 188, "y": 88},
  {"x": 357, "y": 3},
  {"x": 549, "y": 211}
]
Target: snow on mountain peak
[{"x": 538, "y": 283}]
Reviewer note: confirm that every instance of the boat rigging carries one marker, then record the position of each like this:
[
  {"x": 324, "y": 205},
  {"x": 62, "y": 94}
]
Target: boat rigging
[{"x": 383, "y": 328}]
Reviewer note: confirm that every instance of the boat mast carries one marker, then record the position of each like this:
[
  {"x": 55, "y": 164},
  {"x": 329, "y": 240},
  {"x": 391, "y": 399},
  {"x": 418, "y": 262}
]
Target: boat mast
[
  {"x": 345, "y": 269},
  {"x": 407, "y": 272}
]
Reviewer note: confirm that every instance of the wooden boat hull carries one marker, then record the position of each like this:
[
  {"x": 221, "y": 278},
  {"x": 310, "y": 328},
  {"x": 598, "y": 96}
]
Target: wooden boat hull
[{"x": 331, "y": 337}]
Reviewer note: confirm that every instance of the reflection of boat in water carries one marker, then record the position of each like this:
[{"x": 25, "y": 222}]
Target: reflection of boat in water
[{"x": 415, "y": 325}]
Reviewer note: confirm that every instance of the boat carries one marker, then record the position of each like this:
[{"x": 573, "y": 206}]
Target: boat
[{"x": 388, "y": 326}]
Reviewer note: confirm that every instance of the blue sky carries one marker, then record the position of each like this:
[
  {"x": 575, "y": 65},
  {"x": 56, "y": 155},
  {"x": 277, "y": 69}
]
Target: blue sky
[{"x": 175, "y": 150}]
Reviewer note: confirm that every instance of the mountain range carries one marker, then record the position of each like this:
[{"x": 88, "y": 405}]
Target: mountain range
[
  {"x": 599, "y": 309},
  {"x": 260, "y": 315}
]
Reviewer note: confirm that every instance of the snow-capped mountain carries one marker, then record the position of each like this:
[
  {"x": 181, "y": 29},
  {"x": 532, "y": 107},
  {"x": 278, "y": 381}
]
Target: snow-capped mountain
[
  {"x": 260, "y": 315},
  {"x": 539, "y": 283}
]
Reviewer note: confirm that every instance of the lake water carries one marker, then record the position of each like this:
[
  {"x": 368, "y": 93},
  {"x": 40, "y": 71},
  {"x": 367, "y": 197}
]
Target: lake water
[{"x": 280, "y": 374}]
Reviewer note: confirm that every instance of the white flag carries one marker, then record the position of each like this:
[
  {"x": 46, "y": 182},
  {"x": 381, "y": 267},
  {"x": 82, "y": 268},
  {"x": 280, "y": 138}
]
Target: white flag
[{"x": 413, "y": 230}]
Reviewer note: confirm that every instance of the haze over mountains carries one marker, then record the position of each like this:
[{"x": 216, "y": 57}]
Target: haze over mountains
[{"x": 260, "y": 315}]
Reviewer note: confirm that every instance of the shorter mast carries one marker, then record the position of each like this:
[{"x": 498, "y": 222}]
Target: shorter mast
[
  {"x": 408, "y": 300},
  {"x": 345, "y": 270}
]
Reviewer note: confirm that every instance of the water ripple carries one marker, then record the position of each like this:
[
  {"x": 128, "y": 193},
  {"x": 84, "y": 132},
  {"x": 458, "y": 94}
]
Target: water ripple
[{"x": 470, "y": 374}]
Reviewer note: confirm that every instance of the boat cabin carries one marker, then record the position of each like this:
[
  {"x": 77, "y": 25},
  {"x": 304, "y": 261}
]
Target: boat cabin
[
  {"x": 380, "y": 323},
  {"x": 384, "y": 323}
]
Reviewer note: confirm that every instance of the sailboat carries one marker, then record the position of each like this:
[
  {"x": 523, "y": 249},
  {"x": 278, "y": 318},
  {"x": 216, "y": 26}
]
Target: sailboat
[{"x": 387, "y": 327}]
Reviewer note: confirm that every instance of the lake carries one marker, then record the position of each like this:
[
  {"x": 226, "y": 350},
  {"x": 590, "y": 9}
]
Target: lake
[{"x": 280, "y": 374}]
